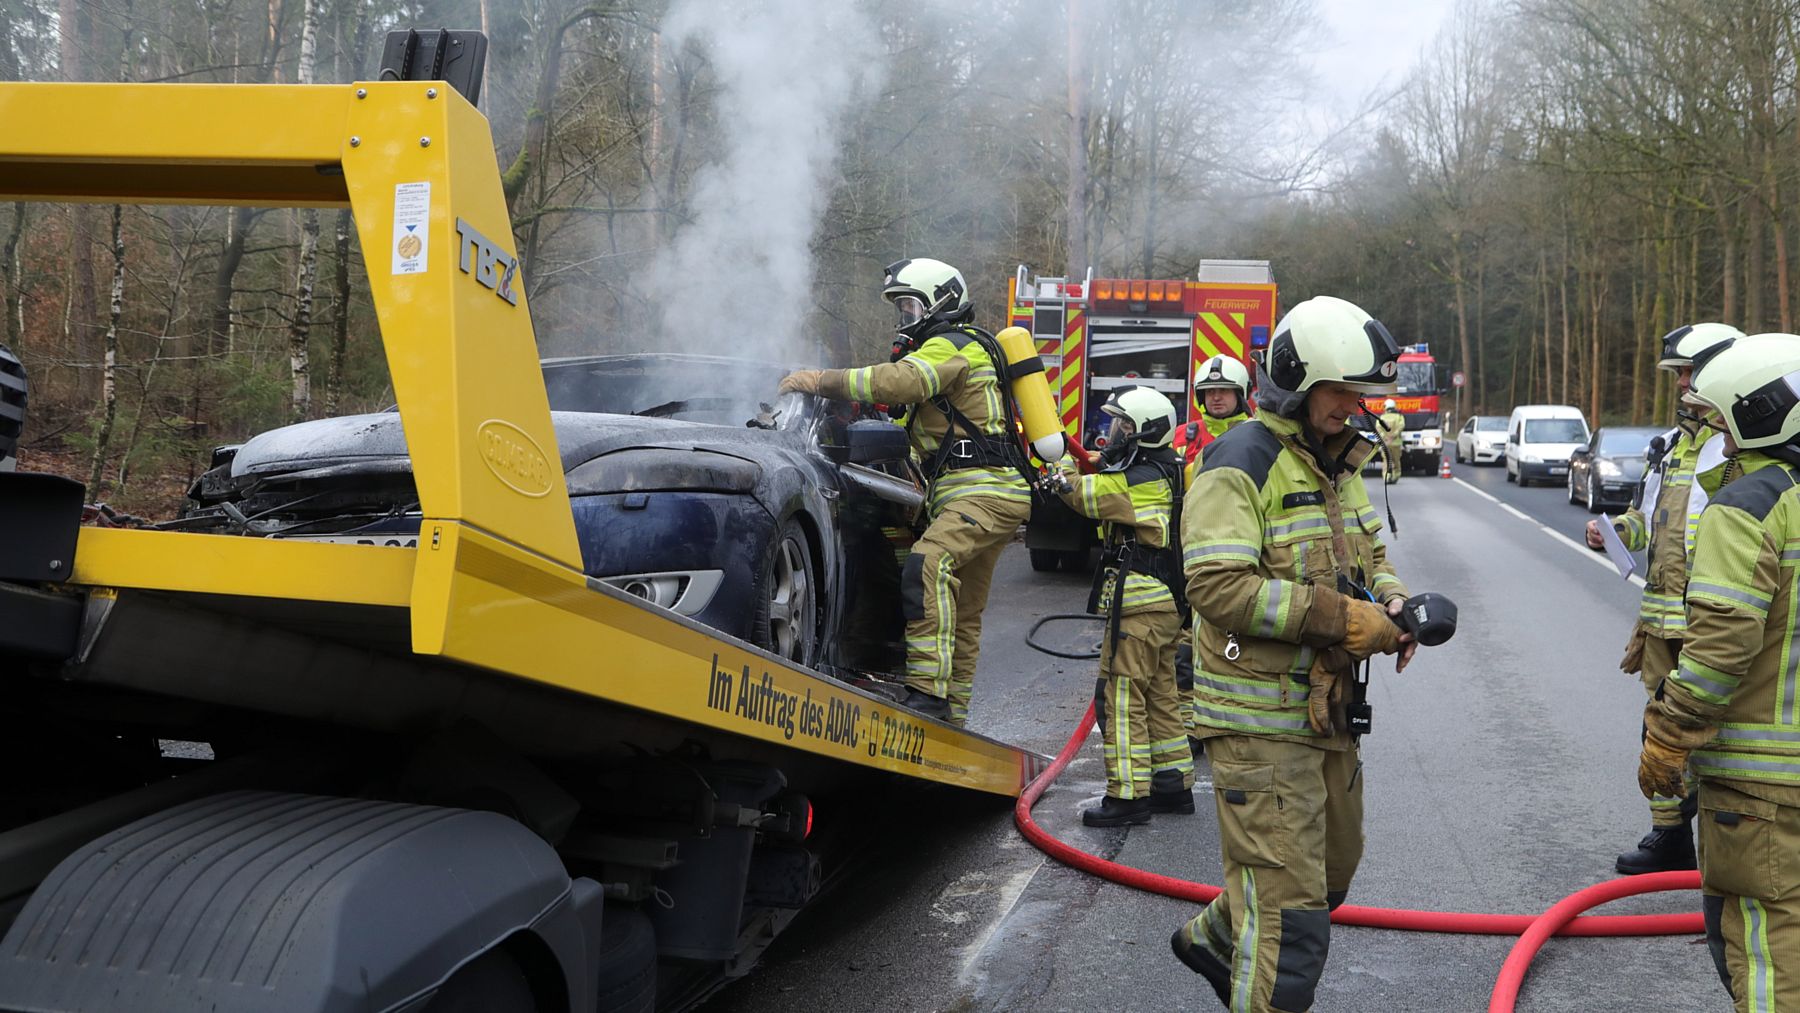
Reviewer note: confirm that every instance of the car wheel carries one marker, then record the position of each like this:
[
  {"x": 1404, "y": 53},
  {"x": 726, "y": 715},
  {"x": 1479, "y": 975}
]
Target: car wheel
[
  {"x": 1077, "y": 560},
  {"x": 1045, "y": 560},
  {"x": 1571, "y": 485},
  {"x": 1459, "y": 453},
  {"x": 1509, "y": 473},
  {"x": 787, "y": 599},
  {"x": 1593, "y": 500}
]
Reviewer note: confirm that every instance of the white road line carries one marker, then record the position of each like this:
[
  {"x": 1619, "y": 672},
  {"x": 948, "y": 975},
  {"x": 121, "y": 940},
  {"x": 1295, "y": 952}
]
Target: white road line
[
  {"x": 1011, "y": 892},
  {"x": 1586, "y": 553}
]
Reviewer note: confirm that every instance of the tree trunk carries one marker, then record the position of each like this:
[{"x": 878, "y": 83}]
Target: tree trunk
[
  {"x": 307, "y": 272},
  {"x": 1477, "y": 378},
  {"x": 1728, "y": 248},
  {"x": 82, "y": 305},
  {"x": 1150, "y": 186},
  {"x": 1462, "y": 315},
  {"x": 1076, "y": 200},
  {"x": 340, "y": 321},
  {"x": 1567, "y": 344},
  {"x": 220, "y": 339},
  {"x": 109, "y": 388},
  {"x": 14, "y": 269}
]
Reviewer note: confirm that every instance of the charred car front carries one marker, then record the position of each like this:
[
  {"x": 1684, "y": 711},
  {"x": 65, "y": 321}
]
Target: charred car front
[{"x": 771, "y": 523}]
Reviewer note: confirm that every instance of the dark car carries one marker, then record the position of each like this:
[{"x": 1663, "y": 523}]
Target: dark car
[
  {"x": 771, "y": 523},
  {"x": 1606, "y": 469}
]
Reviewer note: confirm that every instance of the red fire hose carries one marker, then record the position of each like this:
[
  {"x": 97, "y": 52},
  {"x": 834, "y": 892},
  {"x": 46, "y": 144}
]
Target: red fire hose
[{"x": 1532, "y": 930}]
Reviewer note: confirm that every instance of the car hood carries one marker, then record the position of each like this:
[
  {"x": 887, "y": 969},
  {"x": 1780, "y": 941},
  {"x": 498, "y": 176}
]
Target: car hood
[
  {"x": 1486, "y": 439},
  {"x": 1631, "y": 467},
  {"x": 376, "y": 443}
]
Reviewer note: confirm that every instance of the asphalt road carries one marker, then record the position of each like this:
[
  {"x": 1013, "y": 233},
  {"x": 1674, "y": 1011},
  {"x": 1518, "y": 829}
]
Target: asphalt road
[{"x": 1501, "y": 777}]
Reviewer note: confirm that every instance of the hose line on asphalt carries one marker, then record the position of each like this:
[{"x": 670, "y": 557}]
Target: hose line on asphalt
[{"x": 1532, "y": 930}]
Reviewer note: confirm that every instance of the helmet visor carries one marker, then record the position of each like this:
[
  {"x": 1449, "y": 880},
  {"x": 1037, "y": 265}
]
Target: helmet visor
[
  {"x": 1121, "y": 430},
  {"x": 909, "y": 310}
]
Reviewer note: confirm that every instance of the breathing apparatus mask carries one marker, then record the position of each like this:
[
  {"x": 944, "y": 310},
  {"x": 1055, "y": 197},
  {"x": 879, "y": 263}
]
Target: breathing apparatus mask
[{"x": 1121, "y": 445}]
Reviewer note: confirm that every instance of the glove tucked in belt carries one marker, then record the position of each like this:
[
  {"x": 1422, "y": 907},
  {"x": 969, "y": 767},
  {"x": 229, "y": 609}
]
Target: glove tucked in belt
[{"x": 1329, "y": 676}]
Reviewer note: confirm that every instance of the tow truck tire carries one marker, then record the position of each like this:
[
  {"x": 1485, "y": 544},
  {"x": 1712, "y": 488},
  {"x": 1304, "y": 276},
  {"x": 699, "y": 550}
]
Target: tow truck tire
[
  {"x": 492, "y": 981},
  {"x": 625, "y": 967},
  {"x": 787, "y": 597},
  {"x": 1045, "y": 560}
]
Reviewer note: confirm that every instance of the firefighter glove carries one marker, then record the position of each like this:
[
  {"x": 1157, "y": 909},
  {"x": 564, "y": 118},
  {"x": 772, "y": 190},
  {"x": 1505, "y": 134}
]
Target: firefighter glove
[
  {"x": 1662, "y": 765},
  {"x": 1633, "y": 661},
  {"x": 1368, "y": 629},
  {"x": 801, "y": 381},
  {"x": 1324, "y": 623},
  {"x": 1328, "y": 677}
]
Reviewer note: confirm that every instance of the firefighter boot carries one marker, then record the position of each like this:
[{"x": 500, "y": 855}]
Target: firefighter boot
[
  {"x": 1663, "y": 849},
  {"x": 1202, "y": 962},
  {"x": 1167, "y": 795},
  {"x": 926, "y": 704},
  {"x": 1117, "y": 812}
]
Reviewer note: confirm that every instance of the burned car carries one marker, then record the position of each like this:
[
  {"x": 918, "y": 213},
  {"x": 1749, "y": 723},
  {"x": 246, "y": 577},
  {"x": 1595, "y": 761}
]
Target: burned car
[{"x": 773, "y": 523}]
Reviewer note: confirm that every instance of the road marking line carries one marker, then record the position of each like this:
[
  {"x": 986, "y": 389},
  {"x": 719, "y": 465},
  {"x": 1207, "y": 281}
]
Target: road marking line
[
  {"x": 1586, "y": 553},
  {"x": 1011, "y": 893}
]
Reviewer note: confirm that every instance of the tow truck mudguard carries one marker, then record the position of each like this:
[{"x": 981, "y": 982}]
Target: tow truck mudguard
[
  {"x": 40, "y": 520},
  {"x": 268, "y": 901}
]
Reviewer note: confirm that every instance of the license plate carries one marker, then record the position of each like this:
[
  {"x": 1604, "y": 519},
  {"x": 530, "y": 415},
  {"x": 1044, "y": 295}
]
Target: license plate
[
  {"x": 1559, "y": 471},
  {"x": 387, "y": 541}
]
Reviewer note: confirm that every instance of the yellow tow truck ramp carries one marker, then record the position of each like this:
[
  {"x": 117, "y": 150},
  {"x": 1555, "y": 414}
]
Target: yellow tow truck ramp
[{"x": 488, "y": 622}]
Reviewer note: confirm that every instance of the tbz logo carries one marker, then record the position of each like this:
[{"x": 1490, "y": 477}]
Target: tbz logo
[{"x": 493, "y": 266}]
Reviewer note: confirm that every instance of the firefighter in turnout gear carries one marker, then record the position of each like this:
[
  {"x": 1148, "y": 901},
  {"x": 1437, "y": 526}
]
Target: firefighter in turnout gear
[
  {"x": 1291, "y": 590},
  {"x": 1148, "y": 766},
  {"x": 1731, "y": 710},
  {"x": 1665, "y": 523},
  {"x": 1393, "y": 424},
  {"x": 961, "y": 425},
  {"x": 1223, "y": 390}
]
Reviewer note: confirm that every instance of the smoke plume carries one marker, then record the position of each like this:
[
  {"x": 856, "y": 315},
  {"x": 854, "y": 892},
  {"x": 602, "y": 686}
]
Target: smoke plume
[{"x": 787, "y": 71}]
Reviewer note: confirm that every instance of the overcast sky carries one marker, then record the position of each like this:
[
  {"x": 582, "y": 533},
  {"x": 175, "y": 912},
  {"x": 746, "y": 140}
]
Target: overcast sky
[{"x": 1375, "y": 43}]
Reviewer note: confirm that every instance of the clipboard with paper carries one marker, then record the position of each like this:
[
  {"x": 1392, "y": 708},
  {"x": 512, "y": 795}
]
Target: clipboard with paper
[{"x": 1615, "y": 548}]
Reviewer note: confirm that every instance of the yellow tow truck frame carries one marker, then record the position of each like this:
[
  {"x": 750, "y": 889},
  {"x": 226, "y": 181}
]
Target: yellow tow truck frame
[{"x": 496, "y": 581}]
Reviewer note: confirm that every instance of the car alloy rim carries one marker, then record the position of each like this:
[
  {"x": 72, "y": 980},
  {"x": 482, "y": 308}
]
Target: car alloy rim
[{"x": 790, "y": 602}]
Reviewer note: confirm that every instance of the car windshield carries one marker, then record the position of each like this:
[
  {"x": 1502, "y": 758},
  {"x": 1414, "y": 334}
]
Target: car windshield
[
  {"x": 1625, "y": 442},
  {"x": 726, "y": 392},
  {"x": 1415, "y": 378},
  {"x": 1554, "y": 431},
  {"x": 1490, "y": 423}
]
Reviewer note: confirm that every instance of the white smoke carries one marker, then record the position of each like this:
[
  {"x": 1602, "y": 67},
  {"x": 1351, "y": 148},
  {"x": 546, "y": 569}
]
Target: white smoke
[{"x": 788, "y": 72}]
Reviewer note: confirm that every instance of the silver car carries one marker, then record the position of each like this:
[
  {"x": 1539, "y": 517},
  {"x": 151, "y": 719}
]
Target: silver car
[{"x": 1482, "y": 440}]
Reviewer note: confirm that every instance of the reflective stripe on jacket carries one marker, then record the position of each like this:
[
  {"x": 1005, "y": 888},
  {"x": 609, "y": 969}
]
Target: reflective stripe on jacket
[
  {"x": 951, "y": 365},
  {"x": 1668, "y": 532},
  {"x": 1137, "y": 498},
  {"x": 1739, "y": 663},
  {"x": 1257, "y": 547}
]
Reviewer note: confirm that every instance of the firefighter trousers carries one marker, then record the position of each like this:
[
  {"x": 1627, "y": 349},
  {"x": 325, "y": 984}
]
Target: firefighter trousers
[
  {"x": 1659, "y": 660},
  {"x": 1290, "y": 827},
  {"x": 1750, "y": 876},
  {"x": 1140, "y": 709},
  {"x": 944, "y": 589}
]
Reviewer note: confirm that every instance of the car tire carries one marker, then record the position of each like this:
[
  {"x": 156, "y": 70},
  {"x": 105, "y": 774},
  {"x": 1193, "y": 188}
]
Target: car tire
[
  {"x": 1077, "y": 560},
  {"x": 1509, "y": 472},
  {"x": 1459, "y": 453},
  {"x": 1045, "y": 560},
  {"x": 1573, "y": 499},
  {"x": 625, "y": 966},
  {"x": 1593, "y": 498},
  {"x": 786, "y": 620}
]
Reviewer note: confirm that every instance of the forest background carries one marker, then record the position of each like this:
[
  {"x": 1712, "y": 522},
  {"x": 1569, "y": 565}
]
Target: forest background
[{"x": 1554, "y": 185}]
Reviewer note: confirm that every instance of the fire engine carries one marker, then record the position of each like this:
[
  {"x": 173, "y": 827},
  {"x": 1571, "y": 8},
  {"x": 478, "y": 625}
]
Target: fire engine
[
  {"x": 1416, "y": 397},
  {"x": 1097, "y": 334}
]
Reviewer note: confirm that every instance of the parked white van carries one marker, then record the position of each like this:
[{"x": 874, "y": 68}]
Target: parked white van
[{"x": 1539, "y": 440}]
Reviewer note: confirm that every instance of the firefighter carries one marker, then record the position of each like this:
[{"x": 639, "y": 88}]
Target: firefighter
[
  {"x": 960, "y": 422},
  {"x": 1222, "y": 386},
  {"x": 1666, "y": 530},
  {"x": 1291, "y": 589},
  {"x": 1392, "y": 425},
  {"x": 1148, "y": 766},
  {"x": 1729, "y": 710}
]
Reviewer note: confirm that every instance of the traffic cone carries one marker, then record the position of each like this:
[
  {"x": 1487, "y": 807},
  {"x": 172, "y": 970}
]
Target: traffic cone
[{"x": 1444, "y": 466}]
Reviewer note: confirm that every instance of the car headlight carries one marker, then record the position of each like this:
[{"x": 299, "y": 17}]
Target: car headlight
[
  {"x": 658, "y": 469},
  {"x": 1608, "y": 469},
  {"x": 685, "y": 592},
  {"x": 1531, "y": 459}
]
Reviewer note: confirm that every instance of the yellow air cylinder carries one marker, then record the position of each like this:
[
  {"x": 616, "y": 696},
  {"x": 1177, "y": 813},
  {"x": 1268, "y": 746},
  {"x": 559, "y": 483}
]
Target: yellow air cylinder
[{"x": 1031, "y": 392}]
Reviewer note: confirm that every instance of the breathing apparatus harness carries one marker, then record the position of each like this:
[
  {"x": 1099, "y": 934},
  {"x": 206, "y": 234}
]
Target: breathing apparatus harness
[
  {"x": 1123, "y": 554},
  {"x": 976, "y": 449}
]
